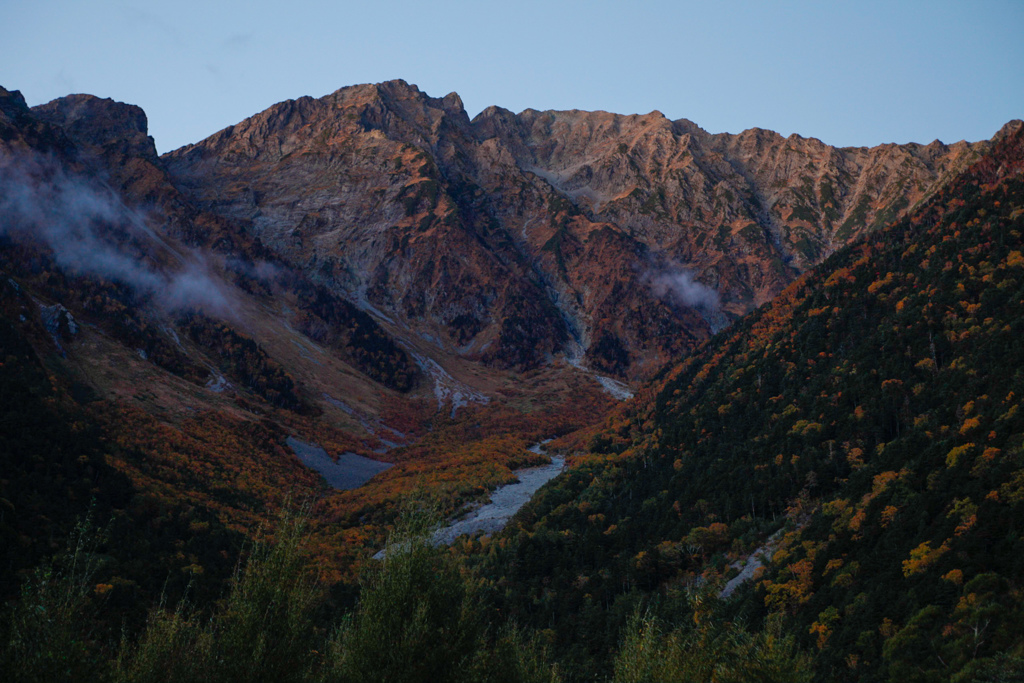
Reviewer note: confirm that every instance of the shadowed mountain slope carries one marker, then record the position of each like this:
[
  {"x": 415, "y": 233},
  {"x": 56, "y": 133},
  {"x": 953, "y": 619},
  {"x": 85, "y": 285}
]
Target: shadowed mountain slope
[{"x": 871, "y": 412}]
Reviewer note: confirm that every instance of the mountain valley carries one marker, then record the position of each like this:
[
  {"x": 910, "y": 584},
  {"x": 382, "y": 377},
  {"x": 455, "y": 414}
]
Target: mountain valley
[{"x": 739, "y": 343}]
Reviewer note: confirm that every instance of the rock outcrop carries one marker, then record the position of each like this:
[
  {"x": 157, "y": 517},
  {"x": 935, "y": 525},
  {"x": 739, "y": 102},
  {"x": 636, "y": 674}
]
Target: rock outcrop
[{"x": 512, "y": 237}]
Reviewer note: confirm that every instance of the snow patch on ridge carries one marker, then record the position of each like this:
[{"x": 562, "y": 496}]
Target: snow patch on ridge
[
  {"x": 614, "y": 387},
  {"x": 755, "y": 561}
]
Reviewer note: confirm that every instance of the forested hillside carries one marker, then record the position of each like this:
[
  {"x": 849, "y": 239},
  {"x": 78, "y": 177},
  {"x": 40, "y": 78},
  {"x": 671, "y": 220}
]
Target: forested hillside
[{"x": 871, "y": 415}]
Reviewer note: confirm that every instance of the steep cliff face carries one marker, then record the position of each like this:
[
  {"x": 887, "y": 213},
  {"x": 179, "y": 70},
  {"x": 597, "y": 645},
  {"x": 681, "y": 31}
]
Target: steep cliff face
[
  {"x": 709, "y": 201},
  {"x": 101, "y": 124},
  {"x": 110, "y": 140},
  {"x": 88, "y": 198},
  {"x": 622, "y": 240},
  {"x": 21, "y": 131}
]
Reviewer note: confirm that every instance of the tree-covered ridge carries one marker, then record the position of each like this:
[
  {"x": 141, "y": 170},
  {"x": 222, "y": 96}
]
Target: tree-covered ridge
[{"x": 873, "y": 412}]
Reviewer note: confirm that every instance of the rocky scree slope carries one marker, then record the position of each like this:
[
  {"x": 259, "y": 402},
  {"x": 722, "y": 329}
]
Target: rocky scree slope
[{"x": 620, "y": 241}]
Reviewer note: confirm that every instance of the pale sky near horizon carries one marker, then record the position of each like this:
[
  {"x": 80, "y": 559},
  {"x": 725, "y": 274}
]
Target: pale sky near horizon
[{"x": 849, "y": 73}]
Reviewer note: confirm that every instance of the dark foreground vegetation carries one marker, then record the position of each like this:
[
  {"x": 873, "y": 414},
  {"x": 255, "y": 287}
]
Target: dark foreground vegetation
[
  {"x": 419, "y": 617},
  {"x": 865, "y": 429}
]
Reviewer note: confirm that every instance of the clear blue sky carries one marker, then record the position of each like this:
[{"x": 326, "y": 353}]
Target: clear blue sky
[{"x": 850, "y": 73}]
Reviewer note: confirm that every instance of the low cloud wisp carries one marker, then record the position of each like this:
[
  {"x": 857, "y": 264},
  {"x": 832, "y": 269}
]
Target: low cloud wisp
[
  {"x": 79, "y": 222},
  {"x": 678, "y": 285}
]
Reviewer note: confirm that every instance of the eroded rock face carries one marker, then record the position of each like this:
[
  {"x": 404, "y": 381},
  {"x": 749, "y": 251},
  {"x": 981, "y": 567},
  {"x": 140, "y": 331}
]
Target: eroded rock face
[
  {"x": 111, "y": 140},
  {"x": 513, "y": 237},
  {"x": 20, "y": 131},
  {"x": 101, "y": 123},
  {"x": 103, "y": 148}
]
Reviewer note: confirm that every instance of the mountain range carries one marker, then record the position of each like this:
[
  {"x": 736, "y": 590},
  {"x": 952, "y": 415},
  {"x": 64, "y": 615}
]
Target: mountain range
[
  {"x": 618, "y": 240},
  {"x": 822, "y": 343}
]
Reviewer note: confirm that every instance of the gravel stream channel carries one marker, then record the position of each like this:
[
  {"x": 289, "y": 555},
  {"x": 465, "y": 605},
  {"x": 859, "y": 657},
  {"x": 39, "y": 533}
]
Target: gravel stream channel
[{"x": 505, "y": 502}]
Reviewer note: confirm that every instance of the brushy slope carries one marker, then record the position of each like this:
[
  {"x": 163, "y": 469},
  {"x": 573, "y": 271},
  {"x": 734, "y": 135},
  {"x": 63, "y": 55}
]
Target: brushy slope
[{"x": 872, "y": 412}]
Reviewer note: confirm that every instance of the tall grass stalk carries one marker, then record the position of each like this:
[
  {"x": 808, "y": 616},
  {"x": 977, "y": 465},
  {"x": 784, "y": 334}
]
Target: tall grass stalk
[{"x": 49, "y": 635}]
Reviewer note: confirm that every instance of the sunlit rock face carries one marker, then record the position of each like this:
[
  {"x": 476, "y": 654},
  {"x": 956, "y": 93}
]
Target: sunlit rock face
[{"x": 511, "y": 238}]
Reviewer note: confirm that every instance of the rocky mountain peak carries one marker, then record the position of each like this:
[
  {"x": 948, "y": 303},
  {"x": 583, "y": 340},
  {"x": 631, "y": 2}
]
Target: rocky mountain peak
[
  {"x": 20, "y": 130},
  {"x": 453, "y": 103},
  {"x": 12, "y": 102},
  {"x": 492, "y": 119},
  {"x": 1008, "y": 129},
  {"x": 687, "y": 127},
  {"x": 101, "y": 123},
  {"x": 586, "y": 226},
  {"x": 396, "y": 95}
]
